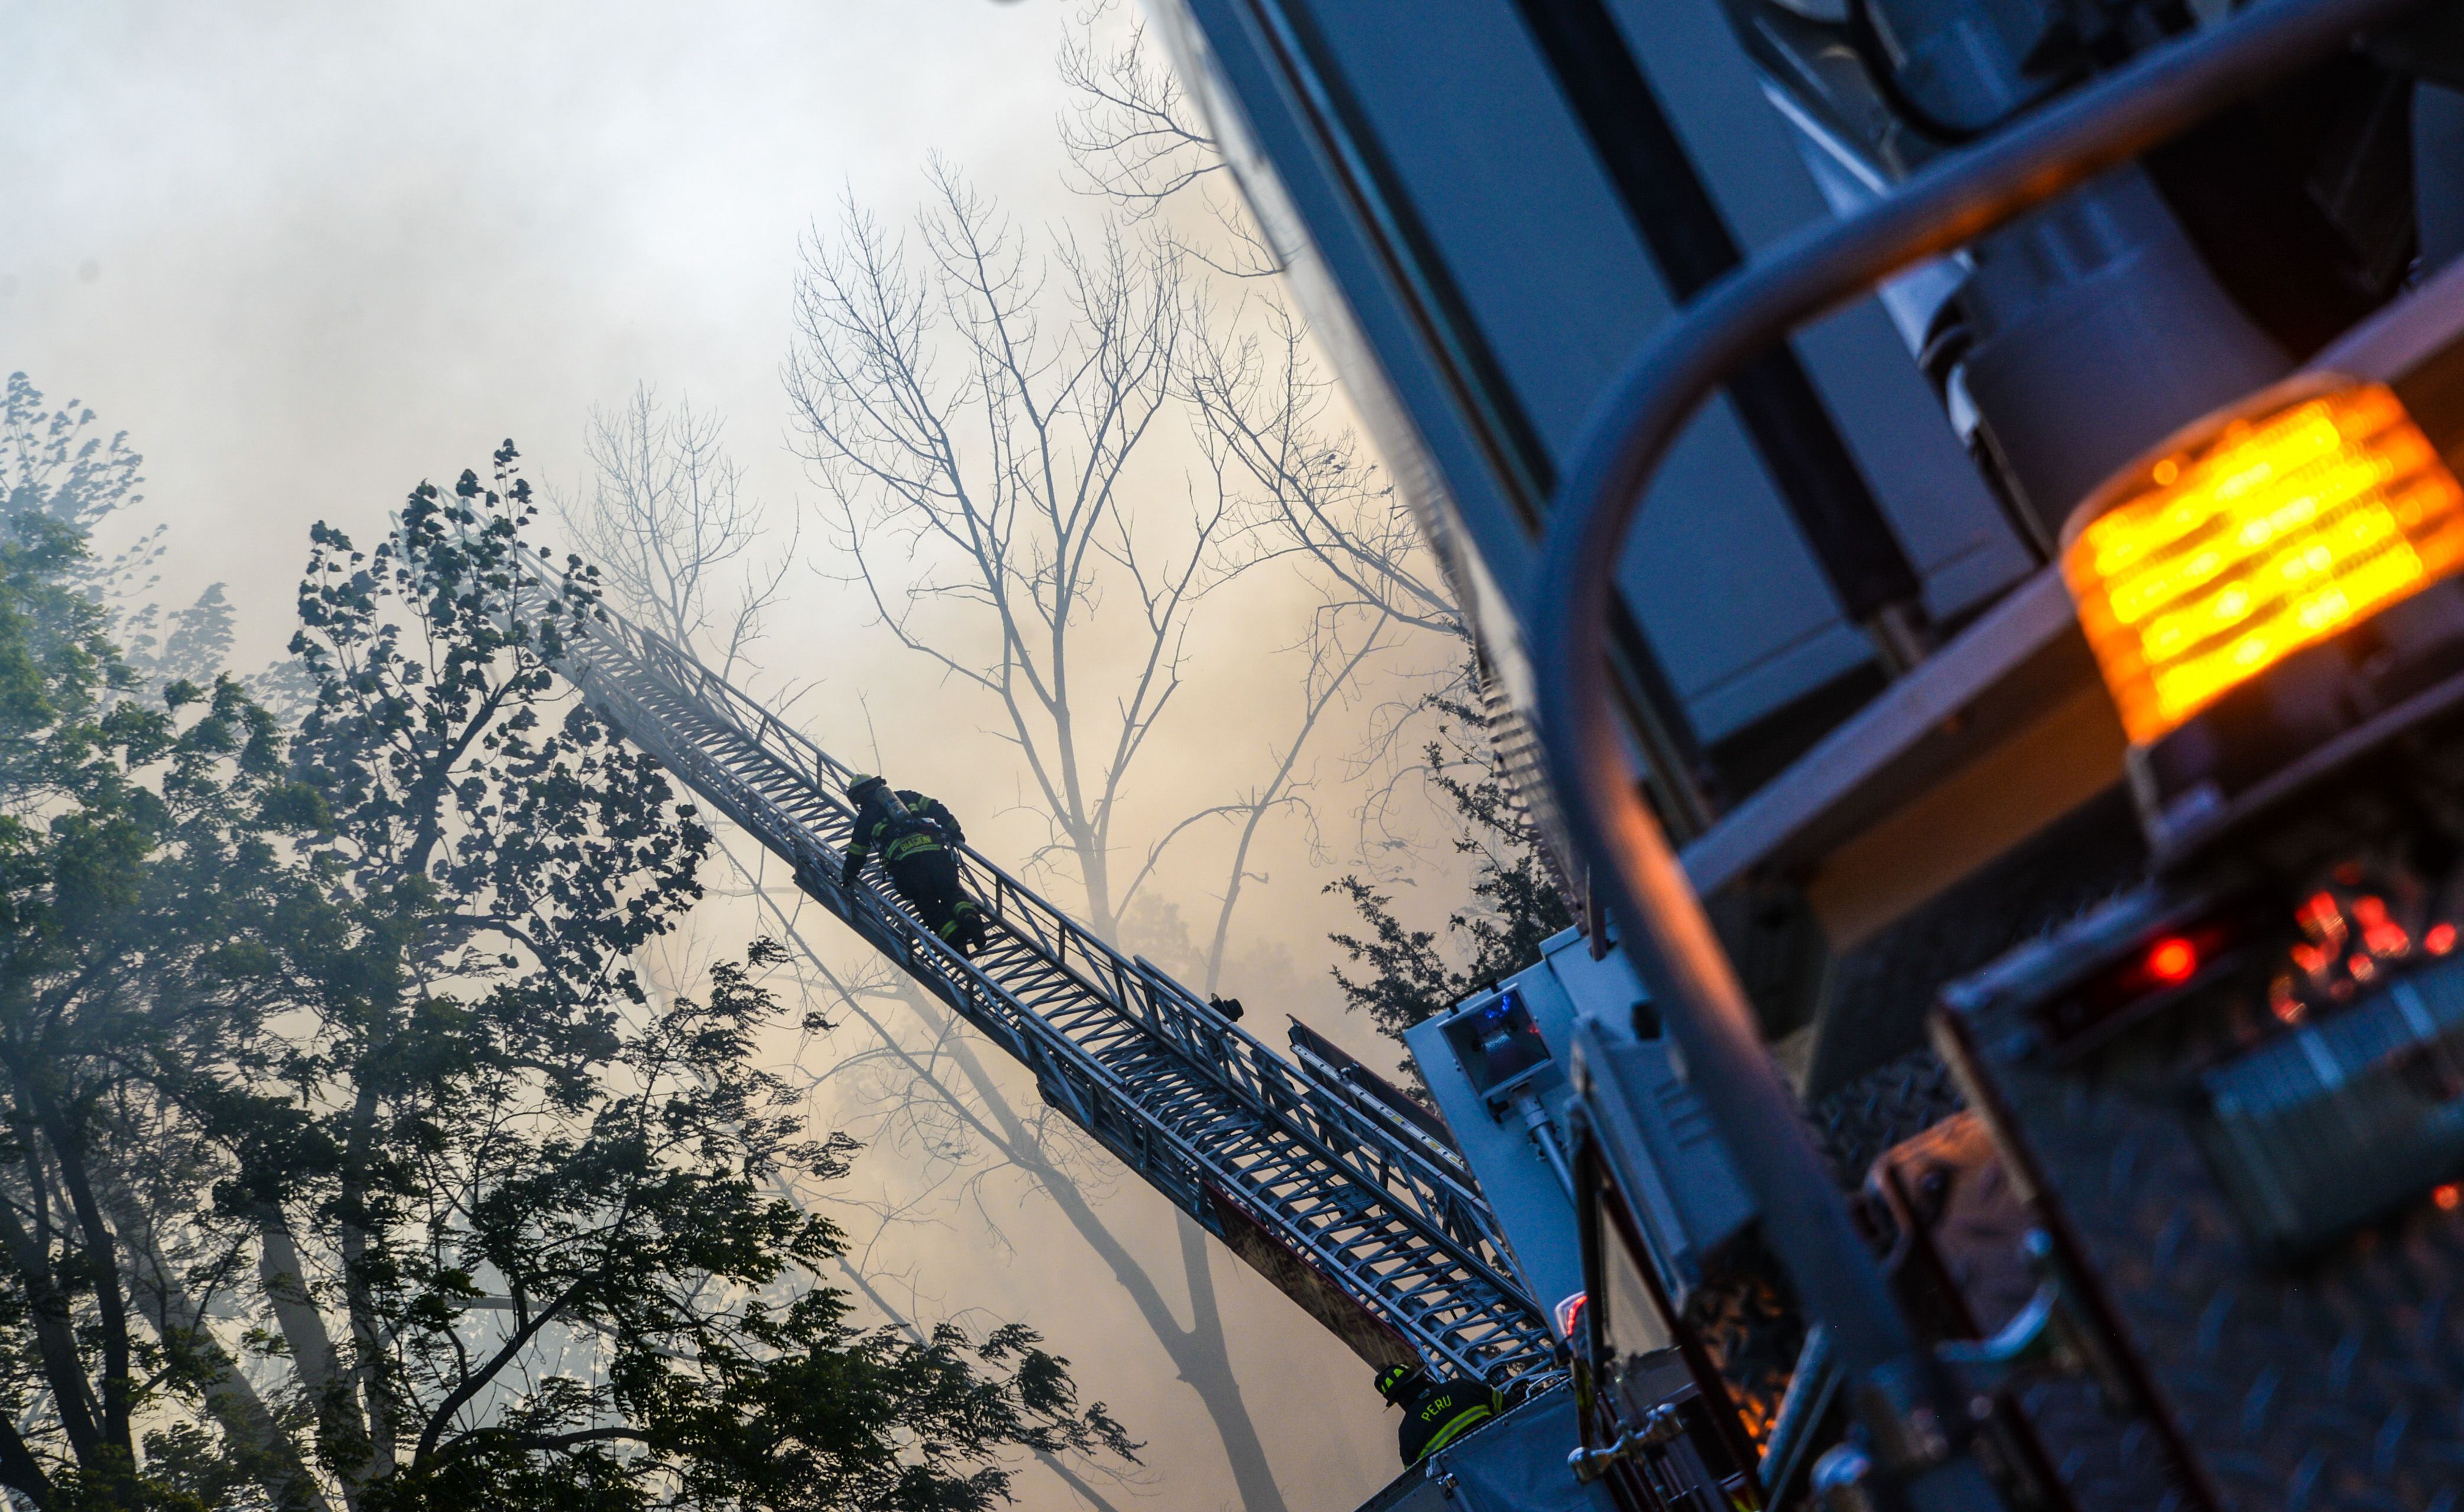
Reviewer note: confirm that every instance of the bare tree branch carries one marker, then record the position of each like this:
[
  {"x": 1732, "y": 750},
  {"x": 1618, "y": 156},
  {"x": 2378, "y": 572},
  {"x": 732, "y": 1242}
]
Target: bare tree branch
[
  {"x": 973, "y": 408},
  {"x": 1311, "y": 495},
  {"x": 1135, "y": 137},
  {"x": 664, "y": 517}
]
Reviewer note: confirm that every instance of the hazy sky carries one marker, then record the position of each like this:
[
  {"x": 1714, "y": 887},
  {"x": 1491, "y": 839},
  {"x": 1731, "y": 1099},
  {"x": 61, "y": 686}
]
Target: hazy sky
[{"x": 307, "y": 255}]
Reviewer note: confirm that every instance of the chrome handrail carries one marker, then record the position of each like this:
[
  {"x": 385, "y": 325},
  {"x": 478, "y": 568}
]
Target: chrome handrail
[{"x": 1896, "y": 1387}]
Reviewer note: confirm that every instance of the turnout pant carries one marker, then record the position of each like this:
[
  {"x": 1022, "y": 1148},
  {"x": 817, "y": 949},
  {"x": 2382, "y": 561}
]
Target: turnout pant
[{"x": 930, "y": 880}]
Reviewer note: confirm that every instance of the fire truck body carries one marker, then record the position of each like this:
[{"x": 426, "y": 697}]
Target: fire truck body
[{"x": 1991, "y": 651}]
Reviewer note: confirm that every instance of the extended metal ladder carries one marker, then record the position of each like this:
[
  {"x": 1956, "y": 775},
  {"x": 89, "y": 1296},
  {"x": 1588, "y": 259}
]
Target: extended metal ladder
[{"x": 1378, "y": 1231}]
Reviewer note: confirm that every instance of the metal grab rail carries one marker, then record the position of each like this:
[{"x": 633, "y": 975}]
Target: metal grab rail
[
  {"x": 1898, "y": 1390},
  {"x": 1203, "y": 1112}
]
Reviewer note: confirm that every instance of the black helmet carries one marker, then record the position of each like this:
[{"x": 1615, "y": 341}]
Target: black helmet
[
  {"x": 1393, "y": 1380},
  {"x": 862, "y": 783}
]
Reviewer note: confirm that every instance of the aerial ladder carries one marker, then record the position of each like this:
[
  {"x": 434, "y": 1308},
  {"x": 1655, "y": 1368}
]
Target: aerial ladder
[{"x": 1336, "y": 1189}]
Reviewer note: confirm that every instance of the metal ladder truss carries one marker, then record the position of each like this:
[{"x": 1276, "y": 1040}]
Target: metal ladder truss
[{"x": 1205, "y": 1113}]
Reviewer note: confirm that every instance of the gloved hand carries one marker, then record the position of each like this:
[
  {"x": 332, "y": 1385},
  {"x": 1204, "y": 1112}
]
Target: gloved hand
[{"x": 849, "y": 873}]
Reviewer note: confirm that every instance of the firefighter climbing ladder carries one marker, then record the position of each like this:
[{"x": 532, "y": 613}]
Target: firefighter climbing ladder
[{"x": 1373, "y": 1228}]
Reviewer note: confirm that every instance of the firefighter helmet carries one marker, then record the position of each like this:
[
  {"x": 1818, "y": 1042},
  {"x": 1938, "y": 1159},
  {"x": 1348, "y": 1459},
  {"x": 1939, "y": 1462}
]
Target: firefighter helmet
[{"x": 1393, "y": 1381}]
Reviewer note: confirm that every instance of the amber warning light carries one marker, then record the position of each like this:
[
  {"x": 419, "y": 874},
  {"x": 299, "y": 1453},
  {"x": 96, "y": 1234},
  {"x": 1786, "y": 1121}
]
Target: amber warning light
[{"x": 2272, "y": 532}]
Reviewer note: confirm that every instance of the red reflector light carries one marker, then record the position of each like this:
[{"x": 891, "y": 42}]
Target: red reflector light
[
  {"x": 1570, "y": 1314},
  {"x": 2440, "y": 939},
  {"x": 2446, "y": 1197},
  {"x": 2172, "y": 961}
]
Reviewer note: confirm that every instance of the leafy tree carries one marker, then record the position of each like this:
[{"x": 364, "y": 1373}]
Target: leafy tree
[
  {"x": 169, "y": 645},
  {"x": 134, "y": 844},
  {"x": 55, "y": 465},
  {"x": 540, "y": 1204},
  {"x": 341, "y": 1043},
  {"x": 1514, "y": 906}
]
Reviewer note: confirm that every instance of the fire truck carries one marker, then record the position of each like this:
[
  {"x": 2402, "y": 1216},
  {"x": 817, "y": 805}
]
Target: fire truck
[{"x": 1961, "y": 502}]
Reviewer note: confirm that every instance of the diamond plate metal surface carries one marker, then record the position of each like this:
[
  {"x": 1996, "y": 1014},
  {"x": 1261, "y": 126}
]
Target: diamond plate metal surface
[
  {"x": 1959, "y": 1260},
  {"x": 2331, "y": 1384},
  {"x": 1896, "y": 1100}
]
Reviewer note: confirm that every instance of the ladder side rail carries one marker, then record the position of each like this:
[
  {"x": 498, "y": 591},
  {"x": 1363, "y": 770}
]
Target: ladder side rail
[
  {"x": 864, "y": 909},
  {"x": 1254, "y": 1074},
  {"x": 1084, "y": 1092},
  {"x": 1093, "y": 1102},
  {"x": 1237, "y": 1058},
  {"x": 1058, "y": 1063},
  {"x": 1360, "y": 1105},
  {"x": 1413, "y": 1292},
  {"x": 1114, "y": 1119},
  {"x": 1460, "y": 1342},
  {"x": 1054, "y": 931},
  {"x": 784, "y": 839},
  {"x": 1252, "y": 1069},
  {"x": 1186, "y": 1028},
  {"x": 1371, "y": 1151},
  {"x": 1430, "y": 1202},
  {"x": 1259, "y": 1077},
  {"x": 1088, "y": 1086}
]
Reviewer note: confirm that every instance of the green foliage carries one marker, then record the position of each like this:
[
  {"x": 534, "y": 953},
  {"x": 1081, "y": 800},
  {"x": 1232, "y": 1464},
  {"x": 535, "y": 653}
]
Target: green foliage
[
  {"x": 56, "y": 469},
  {"x": 341, "y": 1035},
  {"x": 55, "y": 465},
  {"x": 1514, "y": 907},
  {"x": 643, "y": 1225},
  {"x": 135, "y": 846}
]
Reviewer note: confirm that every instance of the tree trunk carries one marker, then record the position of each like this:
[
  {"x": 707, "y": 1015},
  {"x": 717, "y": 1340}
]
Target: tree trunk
[
  {"x": 372, "y": 1392},
  {"x": 278, "y": 1270},
  {"x": 54, "y": 1337},
  {"x": 111, "y": 1305},
  {"x": 19, "y": 1470},
  {"x": 1198, "y": 1354},
  {"x": 258, "y": 1441}
]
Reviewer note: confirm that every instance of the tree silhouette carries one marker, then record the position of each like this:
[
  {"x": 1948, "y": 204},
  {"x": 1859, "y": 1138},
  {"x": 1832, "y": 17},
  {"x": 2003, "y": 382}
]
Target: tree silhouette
[
  {"x": 1413, "y": 975},
  {"x": 347, "y": 1164}
]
